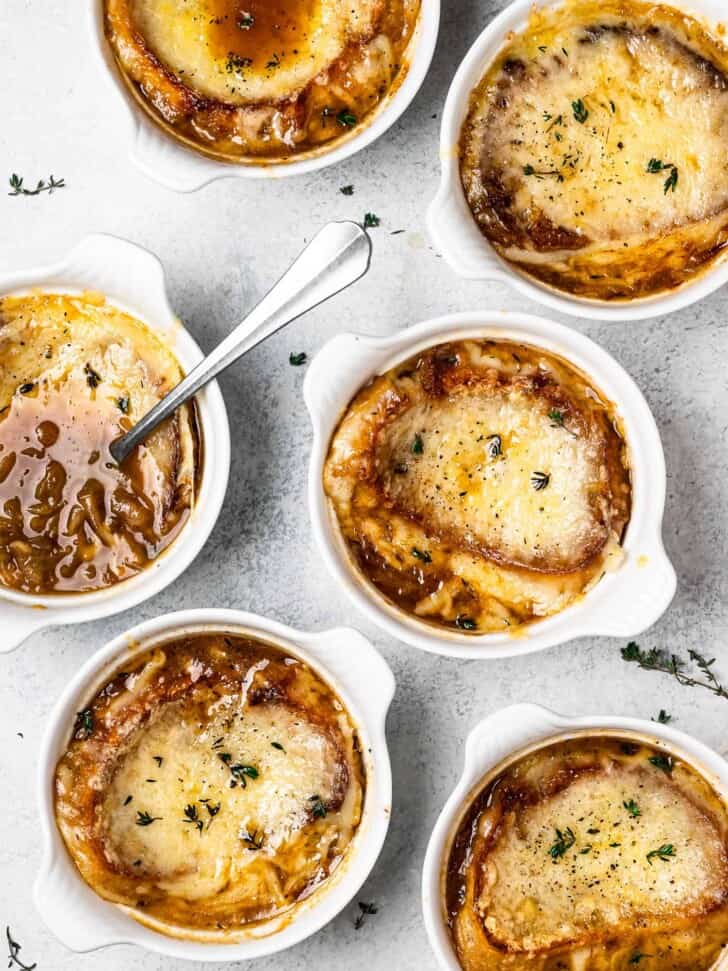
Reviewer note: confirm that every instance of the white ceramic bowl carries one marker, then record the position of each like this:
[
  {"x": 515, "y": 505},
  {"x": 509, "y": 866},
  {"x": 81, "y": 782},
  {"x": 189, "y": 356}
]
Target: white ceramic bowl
[
  {"x": 133, "y": 280},
  {"x": 84, "y": 921},
  {"x": 623, "y": 604},
  {"x": 504, "y": 737},
  {"x": 167, "y": 161},
  {"x": 454, "y": 231}
]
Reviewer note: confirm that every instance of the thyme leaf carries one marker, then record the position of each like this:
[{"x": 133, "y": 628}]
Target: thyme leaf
[
  {"x": 371, "y": 220},
  {"x": 581, "y": 112},
  {"x": 296, "y": 360},
  {"x": 632, "y": 808}
]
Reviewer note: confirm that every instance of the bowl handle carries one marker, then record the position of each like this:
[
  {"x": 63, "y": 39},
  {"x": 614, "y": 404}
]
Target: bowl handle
[
  {"x": 359, "y": 667},
  {"x": 495, "y": 737},
  {"x": 334, "y": 371},
  {"x": 170, "y": 165},
  {"x": 70, "y": 910},
  {"x": 18, "y": 623},
  {"x": 455, "y": 235},
  {"x": 643, "y": 590}
]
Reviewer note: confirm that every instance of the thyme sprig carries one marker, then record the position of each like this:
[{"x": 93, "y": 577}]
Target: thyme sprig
[
  {"x": 664, "y": 852},
  {"x": 563, "y": 842},
  {"x": 18, "y": 189},
  {"x": 365, "y": 910},
  {"x": 13, "y": 952},
  {"x": 661, "y": 661}
]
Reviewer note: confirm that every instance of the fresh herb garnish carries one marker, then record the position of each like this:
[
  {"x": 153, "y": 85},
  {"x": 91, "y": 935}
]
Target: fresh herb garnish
[
  {"x": 296, "y": 360},
  {"x": 123, "y": 404},
  {"x": 235, "y": 63},
  {"x": 655, "y": 660},
  {"x": 365, "y": 910},
  {"x": 418, "y": 445},
  {"x": 494, "y": 448},
  {"x": 556, "y": 416},
  {"x": 465, "y": 623},
  {"x": 212, "y": 810},
  {"x": 273, "y": 63},
  {"x": 663, "y": 717},
  {"x": 371, "y": 221},
  {"x": 581, "y": 112},
  {"x": 671, "y": 180},
  {"x": 318, "y": 808},
  {"x": 632, "y": 808},
  {"x": 638, "y": 956},
  {"x": 93, "y": 378},
  {"x": 144, "y": 819},
  {"x": 543, "y": 173},
  {"x": 192, "y": 817},
  {"x": 421, "y": 555},
  {"x": 84, "y": 723},
  {"x": 346, "y": 119},
  {"x": 665, "y": 852},
  {"x": 539, "y": 480},
  {"x": 241, "y": 773},
  {"x": 347, "y": 190},
  {"x": 18, "y": 189},
  {"x": 563, "y": 842},
  {"x": 13, "y": 951},
  {"x": 246, "y": 21},
  {"x": 587, "y": 849},
  {"x": 278, "y": 746},
  {"x": 254, "y": 840},
  {"x": 27, "y": 387},
  {"x": 612, "y": 106},
  {"x": 662, "y": 762},
  {"x": 656, "y": 165}
]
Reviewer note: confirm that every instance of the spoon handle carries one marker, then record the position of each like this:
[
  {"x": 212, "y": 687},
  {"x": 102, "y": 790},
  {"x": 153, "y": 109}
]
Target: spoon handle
[{"x": 336, "y": 257}]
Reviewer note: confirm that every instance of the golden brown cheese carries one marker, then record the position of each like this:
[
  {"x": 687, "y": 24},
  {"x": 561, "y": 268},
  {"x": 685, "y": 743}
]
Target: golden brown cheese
[
  {"x": 587, "y": 854},
  {"x": 481, "y": 484},
  {"x": 75, "y": 373},
  {"x": 241, "y": 79},
  {"x": 213, "y": 784},
  {"x": 595, "y": 152}
]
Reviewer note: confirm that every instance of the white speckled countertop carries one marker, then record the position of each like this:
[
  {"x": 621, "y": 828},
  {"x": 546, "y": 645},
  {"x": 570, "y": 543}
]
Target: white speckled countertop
[{"x": 221, "y": 248}]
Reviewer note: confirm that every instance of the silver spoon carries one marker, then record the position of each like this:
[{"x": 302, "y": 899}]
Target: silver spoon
[{"x": 336, "y": 257}]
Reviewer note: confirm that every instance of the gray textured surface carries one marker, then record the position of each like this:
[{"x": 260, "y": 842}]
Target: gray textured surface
[{"x": 221, "y": 248}]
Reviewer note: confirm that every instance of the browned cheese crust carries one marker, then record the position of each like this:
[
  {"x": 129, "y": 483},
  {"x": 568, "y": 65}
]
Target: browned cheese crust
[
  {"x": 595, "y": 152},
  {"x": 595, "y": 854},
  {"x": 481, "y": 484},
  {"x": 215, "y": 783},
  {"x": 255, "y": 80}
]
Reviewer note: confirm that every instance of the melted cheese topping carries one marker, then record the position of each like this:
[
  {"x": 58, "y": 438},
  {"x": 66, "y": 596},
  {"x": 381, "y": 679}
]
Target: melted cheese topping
[
  {"x": 191, "y": 41},
  {"x": 213, "y": 786},
  {"x": 594, "y": 154},
  {"x": 75, "y": 373},
  {"x": 244, "y": 79},
  {"x": 480, "y": 484},
  {"x": 587, "y": 853}
]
